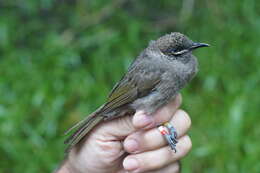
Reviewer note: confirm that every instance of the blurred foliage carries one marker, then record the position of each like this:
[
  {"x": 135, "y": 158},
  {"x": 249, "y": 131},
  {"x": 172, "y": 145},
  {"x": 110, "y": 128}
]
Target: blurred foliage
[{"x": 60, "y": 58}]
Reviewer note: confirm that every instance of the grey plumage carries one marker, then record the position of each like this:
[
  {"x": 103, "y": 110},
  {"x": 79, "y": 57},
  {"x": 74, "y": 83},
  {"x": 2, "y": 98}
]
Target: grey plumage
[{"x": 152, "y": 80}]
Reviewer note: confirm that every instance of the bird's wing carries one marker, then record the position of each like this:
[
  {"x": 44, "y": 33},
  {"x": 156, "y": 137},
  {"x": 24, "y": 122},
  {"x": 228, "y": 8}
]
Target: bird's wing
[{"x": 127, "y": 90}]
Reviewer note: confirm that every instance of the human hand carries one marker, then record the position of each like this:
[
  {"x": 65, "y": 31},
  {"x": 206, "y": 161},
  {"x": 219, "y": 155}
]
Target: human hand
[{"x": 132, "y": 144}]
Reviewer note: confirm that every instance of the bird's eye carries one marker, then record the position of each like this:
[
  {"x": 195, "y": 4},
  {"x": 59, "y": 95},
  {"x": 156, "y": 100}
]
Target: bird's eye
[{"x": 169, "y": 51}]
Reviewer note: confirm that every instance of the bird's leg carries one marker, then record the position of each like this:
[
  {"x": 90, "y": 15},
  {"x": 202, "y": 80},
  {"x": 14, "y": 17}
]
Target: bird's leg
[
  {"x": 170, "y": 134},
  {"x": 173, "y": 132}
]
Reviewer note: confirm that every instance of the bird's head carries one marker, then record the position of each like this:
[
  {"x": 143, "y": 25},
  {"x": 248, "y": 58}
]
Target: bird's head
[{"x": 177, "y": 45}]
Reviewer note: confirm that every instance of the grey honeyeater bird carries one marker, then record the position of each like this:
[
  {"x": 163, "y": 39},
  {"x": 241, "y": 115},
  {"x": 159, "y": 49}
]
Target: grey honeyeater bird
[{"x": 153, "y": 79}]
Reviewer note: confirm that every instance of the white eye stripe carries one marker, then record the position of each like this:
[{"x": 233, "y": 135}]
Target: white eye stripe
[{"x": 181, "y": 52}]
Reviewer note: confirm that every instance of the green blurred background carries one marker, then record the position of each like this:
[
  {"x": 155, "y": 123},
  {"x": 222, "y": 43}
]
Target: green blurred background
[{"x": 60, "y": 58}]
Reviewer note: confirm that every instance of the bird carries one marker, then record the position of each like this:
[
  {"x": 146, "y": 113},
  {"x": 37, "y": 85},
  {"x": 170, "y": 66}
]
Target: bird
[{"x": 153, "y": 79}]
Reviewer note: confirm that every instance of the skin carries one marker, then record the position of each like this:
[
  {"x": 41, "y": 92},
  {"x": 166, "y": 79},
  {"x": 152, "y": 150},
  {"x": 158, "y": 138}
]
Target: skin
[{"x": 132, "y": 144}]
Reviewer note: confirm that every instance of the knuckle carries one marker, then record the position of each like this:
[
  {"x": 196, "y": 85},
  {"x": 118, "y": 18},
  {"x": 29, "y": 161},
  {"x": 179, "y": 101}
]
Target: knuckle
[
  {"x": 187, "y": 144},
  {"x": 173, "y": 105},
  {"x": 178, "y": 99},
  {"x": 185, "y": 116},
  {"x": 110, "y": 151},
  {"x": 177, "y": 168},
  {"x": 126, "y": 121}
]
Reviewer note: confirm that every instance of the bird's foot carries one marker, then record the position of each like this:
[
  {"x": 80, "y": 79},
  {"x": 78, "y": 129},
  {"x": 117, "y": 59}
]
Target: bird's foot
[
  {"x": 170, "y": 134},
  {"x": 173, "y": 132}
]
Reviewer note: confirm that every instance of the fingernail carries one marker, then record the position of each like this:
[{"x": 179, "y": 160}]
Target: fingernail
[
  {"x": 142, "y": 120},
  {"x": 130, "y": 164},
  {"x": 131, "y": 145}
]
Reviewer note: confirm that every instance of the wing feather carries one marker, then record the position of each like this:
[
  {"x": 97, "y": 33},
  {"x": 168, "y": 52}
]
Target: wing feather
[{"x": 127, "y": 90}]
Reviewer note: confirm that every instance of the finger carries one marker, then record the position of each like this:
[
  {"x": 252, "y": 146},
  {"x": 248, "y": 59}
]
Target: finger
[
  {"x": 157, "y": 159},
  {"x": 171, "y": 168},
  {"x": 152, "y": 139},
  {"x": 142, "y": 120}
]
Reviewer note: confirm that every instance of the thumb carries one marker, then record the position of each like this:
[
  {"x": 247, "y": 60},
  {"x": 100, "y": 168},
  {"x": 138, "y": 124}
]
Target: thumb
[{"x": 119, "y": 127}]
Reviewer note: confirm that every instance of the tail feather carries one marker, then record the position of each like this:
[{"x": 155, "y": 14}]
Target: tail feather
[
  {"x": 82, "y": 128},
  {"x": 81, "y": 132},
  {"x": 78, "y": 127}
]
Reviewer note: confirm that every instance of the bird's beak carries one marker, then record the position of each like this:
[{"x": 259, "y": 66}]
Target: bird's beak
[{"x": 198, "y": 45}]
